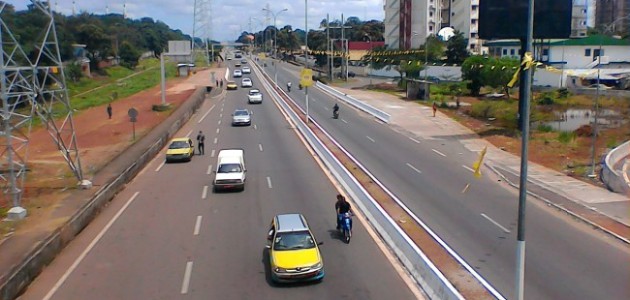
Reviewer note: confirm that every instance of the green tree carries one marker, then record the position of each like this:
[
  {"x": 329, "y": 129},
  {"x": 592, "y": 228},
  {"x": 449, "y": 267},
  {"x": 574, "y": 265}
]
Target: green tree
[
  {"x": 96, "y": 42},
  {"x": 472, "y": 71},
  {"x": 73, "y": 71},
  {"x": 129, "y": 55},
  {"x": 457, "y": 48}
]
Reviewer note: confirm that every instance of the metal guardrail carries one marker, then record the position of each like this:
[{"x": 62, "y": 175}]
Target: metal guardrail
[
  {"x": 379, "y": 114},
  {"x": 431, "y": 279}
]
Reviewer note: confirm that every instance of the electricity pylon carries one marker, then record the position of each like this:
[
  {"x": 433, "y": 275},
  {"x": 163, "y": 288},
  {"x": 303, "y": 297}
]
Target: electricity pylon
[
  {"x": 202, "y": 26},
  {"x": 32, "y": 84}
]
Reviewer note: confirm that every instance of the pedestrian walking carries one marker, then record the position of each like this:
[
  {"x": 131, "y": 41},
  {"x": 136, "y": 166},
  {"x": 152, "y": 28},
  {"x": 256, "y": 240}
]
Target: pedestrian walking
[
  {"x": 217, "y": 82},
  {"x": 109, "y": 110},
  {"x": 221, "y": 83},
  {"x": 434, "y": 108},
  {"x": 201, "y": 138}
]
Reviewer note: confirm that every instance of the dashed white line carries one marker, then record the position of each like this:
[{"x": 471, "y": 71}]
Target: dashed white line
[
  {"x": 255, "y": 127},
  {"x": 269, "y": 182},
  {"x": 204, "y": 193},
  {"x": 186, "y": 281},
  {"x": 414, "y": 168},
  {"x": 206, "y": 114},
  {"x": 197, "y": 225},
  {"x": 189, "y": 133},
  {"x": 160, "y": 166},
  {"x": 468, "y": 168},
  {"x": 495, "y": 223},
  {"x": 219, "y": 122},
  {"x": 371, "y": 139},
  {"x": 216, "y": 140},
  {"x": 209, "y": 167},
  {"x": 221, "y": 115},
  {"x": 260, "y": 147},
  {"x": 218, "y": 129},
  {"x": 438, "y": 152},
  {"x": 212, "y": 153},
  {"x": 416, "y": 141},
  {"x": 88, "y": 249},
  {"x": 342, "y": 120},
  {"x": 326, "y": 108}
]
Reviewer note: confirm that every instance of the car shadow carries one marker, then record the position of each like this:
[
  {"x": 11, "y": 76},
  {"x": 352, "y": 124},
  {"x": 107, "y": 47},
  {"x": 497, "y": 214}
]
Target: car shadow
[{"x": 335, "y": 234}]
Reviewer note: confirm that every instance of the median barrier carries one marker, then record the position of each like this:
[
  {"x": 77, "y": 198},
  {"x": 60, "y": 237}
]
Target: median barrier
[
  {"x": 377, "y": 113},
  {"x": 616, "y": 180}
]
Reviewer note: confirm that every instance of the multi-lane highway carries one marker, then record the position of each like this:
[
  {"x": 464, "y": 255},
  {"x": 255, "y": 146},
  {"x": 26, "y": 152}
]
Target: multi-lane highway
[
  {"x": 564, "y": 259},
  {"x": 168, "y": 236}
]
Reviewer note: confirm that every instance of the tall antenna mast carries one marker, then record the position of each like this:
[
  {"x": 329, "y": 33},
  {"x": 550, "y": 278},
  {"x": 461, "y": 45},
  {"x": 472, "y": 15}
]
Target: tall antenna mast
[{"x": 32, "y": 84}]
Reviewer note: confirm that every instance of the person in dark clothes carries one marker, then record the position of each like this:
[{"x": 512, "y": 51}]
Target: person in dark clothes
[
  {"x": 201, "y": 139},
  {"x": 109, "y": 110}
]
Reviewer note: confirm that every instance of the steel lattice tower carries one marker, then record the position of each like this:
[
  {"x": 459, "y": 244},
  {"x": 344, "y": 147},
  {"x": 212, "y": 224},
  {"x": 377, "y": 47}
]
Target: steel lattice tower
[
  {"x": 202, "y": 25},
  {"x": 32, "y": 84}
]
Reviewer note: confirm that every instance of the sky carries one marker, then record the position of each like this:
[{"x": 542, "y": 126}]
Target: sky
[{"x": 228, "y": 17}]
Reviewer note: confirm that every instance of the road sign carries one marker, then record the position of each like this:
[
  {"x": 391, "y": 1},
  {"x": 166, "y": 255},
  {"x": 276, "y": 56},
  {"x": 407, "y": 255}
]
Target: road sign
[
  {"x": 306, "y": 77},
  {"x": 132, "y": 113}
]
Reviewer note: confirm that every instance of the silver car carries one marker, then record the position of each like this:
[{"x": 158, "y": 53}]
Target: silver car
[
  {"x": 237, "y": 73},
  {"x": 246, "y": 82},
  {"x": 246, "y": 70},
  {"x": 241, "y": 117}
]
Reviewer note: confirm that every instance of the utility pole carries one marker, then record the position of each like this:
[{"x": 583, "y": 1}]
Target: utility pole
[{"x": 342, "y": 27}]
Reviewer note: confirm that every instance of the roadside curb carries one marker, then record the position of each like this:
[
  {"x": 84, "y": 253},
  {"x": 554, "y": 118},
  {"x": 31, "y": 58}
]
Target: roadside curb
[
  {"x": 560, "y": 207},
  {"x": 121, "y": 170}
]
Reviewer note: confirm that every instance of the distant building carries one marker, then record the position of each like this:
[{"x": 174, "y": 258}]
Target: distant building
[
  {"x": 614, "y": 14},
  {"x": 80, "y": 56}
]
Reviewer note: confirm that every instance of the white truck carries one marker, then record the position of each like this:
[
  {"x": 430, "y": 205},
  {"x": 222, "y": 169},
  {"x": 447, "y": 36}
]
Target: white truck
[{"x": 230, "y": 171}]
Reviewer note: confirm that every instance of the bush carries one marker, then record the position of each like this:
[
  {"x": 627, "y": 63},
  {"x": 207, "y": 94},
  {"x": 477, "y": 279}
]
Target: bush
[
  {"x": 544, "y": 128},
  {"x": 547, "y": 98},
  {"x": 563, "y": 93},
  {"x": 566, "y": 137}
]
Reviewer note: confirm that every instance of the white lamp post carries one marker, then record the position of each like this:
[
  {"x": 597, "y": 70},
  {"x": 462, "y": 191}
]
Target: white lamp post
[{"x": 275, "y": 30}]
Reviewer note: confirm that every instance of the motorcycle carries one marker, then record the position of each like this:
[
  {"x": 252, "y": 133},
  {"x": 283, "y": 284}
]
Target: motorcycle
[
  {"x": 346, "y": 226},
  {"x": 335, "y": 114},
  {"x": 300, "y": 86},
  {"x": 288, "y": 88}
]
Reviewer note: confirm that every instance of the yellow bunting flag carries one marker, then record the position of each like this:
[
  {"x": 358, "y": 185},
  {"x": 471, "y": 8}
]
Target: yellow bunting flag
[{"x": 477, "y": 165}]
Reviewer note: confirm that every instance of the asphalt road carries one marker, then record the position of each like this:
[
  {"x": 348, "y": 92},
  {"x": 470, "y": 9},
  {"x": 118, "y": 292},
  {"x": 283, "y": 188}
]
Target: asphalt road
[
  {"x": 168, "y": 236},
  {"x": 564, "y": 259}
]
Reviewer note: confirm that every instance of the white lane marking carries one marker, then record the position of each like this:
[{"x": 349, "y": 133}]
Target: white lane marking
[
  {"x": 220, "y": 115},
  {"x": 269, "y": 182},
  {"x": 218, "y": 129},
  {"x": 326, "y": 108},
  {"x": 255, "y": 127},
  {"x": 189, "y": 133},
  {"x": 371, "y": 139},
  {"x": 414, "y": 168},
  {"x": 212, "y": 154},
  {"x": 215, "y": 140},
  {"x": 160, "y": 166},
  {"x": 204, "y": 193},
  {"x": 342, "y": 120},
  {"x": 438, "y": 152},
  {"x": 495, "y": 223},
  {"x": 219, "y": 122},
  {"x": 197, "y": 225},
  {"x": 89, "y": 248},
  {"x": 209, "y": 170},
  {"x": 260, "y": 147},
  {"x": 416, "y": 141},
  {"x": 468, "y": 168},
  {"x": 206, "y": 114},
  {"x": 186, "y": 281}
]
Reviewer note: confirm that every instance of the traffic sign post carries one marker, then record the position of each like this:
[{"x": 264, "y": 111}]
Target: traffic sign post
[{"x": 133, "y": 114}]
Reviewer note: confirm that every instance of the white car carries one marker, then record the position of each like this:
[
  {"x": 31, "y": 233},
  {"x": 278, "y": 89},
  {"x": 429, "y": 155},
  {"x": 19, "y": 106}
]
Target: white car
[
  {"x": 241, "y": 117},
  {"x": 246, "y": 70},
  {"x": 237, "y": 73},
  {"x": 246, "y": 82},
  {"x": 254, "y": 96}
]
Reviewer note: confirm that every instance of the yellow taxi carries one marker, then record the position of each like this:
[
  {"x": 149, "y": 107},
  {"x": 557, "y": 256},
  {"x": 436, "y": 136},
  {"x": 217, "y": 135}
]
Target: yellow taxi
[
  {"x": 293, "y": 252},
  {"x": 231, "y": 85},
  {"x": 180, "y": 149}
]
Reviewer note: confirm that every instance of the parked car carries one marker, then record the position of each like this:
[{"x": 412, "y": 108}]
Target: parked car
[
  {"x": 241, "y": 117},
  {"x": 293, "y": 252},
  {"x": 246, "y": 82},
  {"x": 180, "y": 149},
  {"x": 254, "y": 96}
]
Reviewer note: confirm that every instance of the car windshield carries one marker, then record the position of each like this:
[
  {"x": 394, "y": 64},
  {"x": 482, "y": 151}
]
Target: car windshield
[
  {"x": 254, "y": 92},
  {"x": 293, "y": 241},
  {"x": 241, "y": 113},
  {"x": 179, "y": 145},
  {"x": 230, "y": 168}
]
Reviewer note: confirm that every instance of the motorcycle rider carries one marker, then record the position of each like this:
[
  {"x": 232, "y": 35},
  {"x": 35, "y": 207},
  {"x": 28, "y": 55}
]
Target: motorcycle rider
[
  {"x": 342, "y": 207},
  {"x": 336, "y": 110},
  {"x": 289, "y": 86}
]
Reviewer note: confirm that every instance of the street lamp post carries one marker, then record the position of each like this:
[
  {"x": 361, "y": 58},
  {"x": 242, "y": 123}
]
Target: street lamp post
[
  {"x": 275, "y": 30},
  {"x": 306, "y": 51},
  {"x": 371, "y": 49}
]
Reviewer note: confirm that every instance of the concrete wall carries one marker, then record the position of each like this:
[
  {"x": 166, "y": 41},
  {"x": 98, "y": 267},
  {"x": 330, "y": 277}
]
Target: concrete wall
[
  {"x": 139, "y": 154},
  {"x": 615, "y": 179}
]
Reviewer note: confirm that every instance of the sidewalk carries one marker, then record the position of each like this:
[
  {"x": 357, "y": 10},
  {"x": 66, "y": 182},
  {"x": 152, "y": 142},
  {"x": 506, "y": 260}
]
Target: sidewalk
[{"x": 597, "y": 206}]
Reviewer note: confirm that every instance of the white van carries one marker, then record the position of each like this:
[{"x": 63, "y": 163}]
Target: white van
[{"x": 230, "y": 171}]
